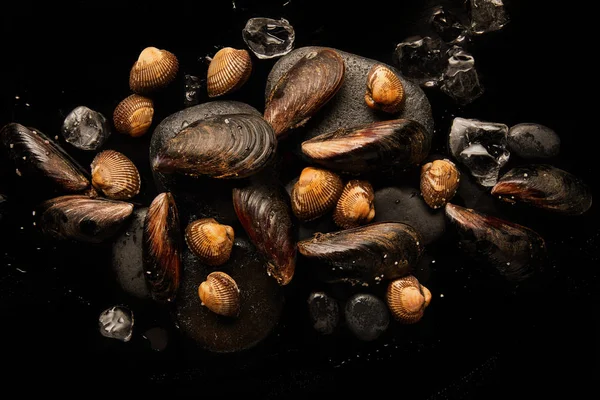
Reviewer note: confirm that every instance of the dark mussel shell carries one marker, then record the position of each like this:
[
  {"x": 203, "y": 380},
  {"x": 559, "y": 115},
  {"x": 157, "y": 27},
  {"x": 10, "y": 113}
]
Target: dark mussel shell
[
  {"x": 397, "y": 143},
  {"x": 546, "y": 187},
  {"x": 367, "y": 254},
  {"x": 82, "y": 218},
  {"x": 515, "y": 251},
  {"x": 224, "y": 146},
  {"x": 36, "y": 156},
  {"x": 161, "y": 248},
  {"x": 304, "y": 89},
  {"x": 265, "y": 213}
]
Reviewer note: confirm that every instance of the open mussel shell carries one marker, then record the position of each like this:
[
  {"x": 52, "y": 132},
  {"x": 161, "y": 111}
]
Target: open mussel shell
[
  {"x": 115, "y": 175},
  {"x": 228, "y": 71},
  {"x": 516, "y": 252},
  {"x": 355, "y": 206},
  {"x": 223, "y": 146},
  {"x": 407, "y": 299},
  {"x": 133, "y": 116},
  {"x": 153, "y": 70},
  {"x": 35, "y": 156},
  {"x": 439, "y": 182},
  {"x": 378, "y": 146},
  {"x": 210, "y": 241},
  {"x": 545, "y": 187},
  {"x": 81, "y": 218},
  {"x": 265, "y": 213},
  {"x": 220, "y": 294},
  {"x": 315, "y": 193},
  {"x": 310, "y": 83},
  {"x": 384, "y": 90},
  {"x": 367, "y": 254},
  {"x": 161, "y": 248}
]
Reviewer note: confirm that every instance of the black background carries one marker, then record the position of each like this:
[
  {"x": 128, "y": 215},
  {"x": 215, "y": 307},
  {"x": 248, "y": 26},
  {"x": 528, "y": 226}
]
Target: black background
[{"x": 481, "y": 340}]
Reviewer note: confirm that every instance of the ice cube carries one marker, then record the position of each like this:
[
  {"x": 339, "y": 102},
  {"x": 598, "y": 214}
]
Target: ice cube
[
  {"x": 448, "y": 26},
  {"x": 481, "y": 147},
  {"x": 461, "y": 81},
  {"x": 116, "y": 323},
  {"x": 269, "y": 38},
  {"x": 192, "y": 87},
  {"x": 421, "y": 59},
  {"x": 85, "y": 129},
  {"x": 487, "y": 15}
]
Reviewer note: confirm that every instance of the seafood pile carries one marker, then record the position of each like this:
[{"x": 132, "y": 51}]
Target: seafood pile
[{"x": 224, "y": 236}]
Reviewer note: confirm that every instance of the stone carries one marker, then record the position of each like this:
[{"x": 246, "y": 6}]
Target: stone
[
  {"x": 367, "y": 316},
  {"x": 461, "y": 81},
  {"x": 157, "y": 338},
  {"x": 324, "y": 312},
  {"x": 422, "y": 60},
  {"x": 529, "y": 140},
  {"x": 269, "y": 38},
  {"x": 487, "y": 15},
  {"x": 85, "y": 129},
  {"x": 116, "y": 323}
]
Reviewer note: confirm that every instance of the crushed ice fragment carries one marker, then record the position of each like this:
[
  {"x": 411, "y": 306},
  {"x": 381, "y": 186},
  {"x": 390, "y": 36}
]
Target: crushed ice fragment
[
  {"x": 487, "y": 15},
  {"x": 421, "y": 59},
  {"x": 116, "y": 323},
  {"x": 269, "y": 38},
  {"x": 448, "y": 26},
  {"x": 461, "y": 81},
  {"x": 192, "y": 90},
  {"x": 85, "y": 129},
  {"x": 324, "y": 312}
]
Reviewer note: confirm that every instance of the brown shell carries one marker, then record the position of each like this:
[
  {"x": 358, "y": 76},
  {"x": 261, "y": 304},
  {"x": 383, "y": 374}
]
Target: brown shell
[
  {"x": 228, "y": 71},
  {"x": 315, "y": 193},
  {"x": 384, "y": 90},
  {"x": 220, "y": 294},
  {"x": 439, "y": 182},
  {"x": 407, "y": 299},
  {"x": 153, "y": 70},
  {"x": 115, "y": 175},
  {"x": 356, "y": 205},
  {"x": 210, "y": 241},
  {"x": 133, "y": 115}
]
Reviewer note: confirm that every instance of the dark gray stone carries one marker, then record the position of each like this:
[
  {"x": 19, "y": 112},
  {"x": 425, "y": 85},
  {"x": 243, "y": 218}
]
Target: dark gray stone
[
  {"x": 348, "y": 108},
  {"x": 405, "y": 204},
  {"x": 533, "y": 141},
  {"x": 158, "y": 338},
  {"x": 367, "y": 316},
  {"x": 127, "y": 257},
  {"x": 324, "y": 312}
]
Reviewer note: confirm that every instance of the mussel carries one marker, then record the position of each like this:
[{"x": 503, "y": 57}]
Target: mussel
[
  {"x": 516, "y": 252},
  {"x": 220, "y": 293},
  {"x": 153, "y": 70},
  {"x": 356, "y": 205},
  {"x": 384, "y": 90},
  {"x": 161, "y": 248},
  {"x": 407, "y": 299},
  {"x": 81, "y": 218},
  {"x": 367, "y": 254},
  {"x": 133, "y": 115},
  {"x": 223, "y": 146},
  {"x": 546, "y": 187},
  {"x": 310, "y": 83},
  {"x": 228, "y": 71},
  {"x": 115, "y": 175},
  {"x": 210, "y": 241},
  {"x": 439, "y": 182},
  {"x": 264, "y": 212},
  {"x": 372, "y": 147},
  {"x": 35, "y": 156},
  {"x": 316, "y": 193}
]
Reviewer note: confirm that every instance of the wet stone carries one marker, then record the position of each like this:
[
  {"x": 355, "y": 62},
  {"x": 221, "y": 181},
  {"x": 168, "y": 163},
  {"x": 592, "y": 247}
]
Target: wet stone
[
  {"x": 158, "y": 338},
  {"x": 421, "y": 59},
  {"x": 116, "y": 323},
  {"x": 193, "y": 84},
  {"x": 85, "y": 129},
  {"x": 367, "y": 316},
  {"x": 481, "y": 147},
  {"x": 487, "y": 15},
  {"x": 529, "y": 140},
  {"x": 269, "y": 38},
  {"x": 448, "y": 26},
  {"x": 324, "y": 312},
  {"x": 461, "y": 81}
]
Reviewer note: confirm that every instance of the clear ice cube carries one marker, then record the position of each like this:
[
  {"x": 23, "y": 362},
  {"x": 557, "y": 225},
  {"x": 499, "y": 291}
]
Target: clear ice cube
[
  {"x": 269, "y": 38},
  {"x": 487, "y": 15},
  {"x": 480, "y": 146},
  {"x": 448, "y": 26},
  {"x": 85, "y": 129},
  {"x": 461, "y": 81},
  {"x": 421, "y": 59},
  {"x": 193, "y": 84},
  {"x": 116, "y": 323}
]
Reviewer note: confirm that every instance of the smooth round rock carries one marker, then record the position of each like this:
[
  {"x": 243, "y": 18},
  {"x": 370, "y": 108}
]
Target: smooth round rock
[
  {"x": 348, "y": 108},
  {"x": 367, "y": 316},
  {"x": 157, "y": 338},
  {"x": 127, "y": 257},
  {"x": 324, "y": 312},
  {"x": 261, "y": 302},
  {"x": 405, "y": 204},
  {"x": 533, "y": 141}
]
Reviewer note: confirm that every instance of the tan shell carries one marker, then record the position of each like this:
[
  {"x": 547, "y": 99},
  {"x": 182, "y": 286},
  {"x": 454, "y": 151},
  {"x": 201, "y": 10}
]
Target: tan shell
[
  {"x": 210, "y": 241},
  {"x": 133, "y": 116},
  {"x": 439, "y": 182},
  {"x": 315, "y": 193},
  {"x": 220, "y": 294},
  {"x": 153, "y": 70},
  {"x": 355, "y": 206},
  {"x": 228, "y": 71},
  {"x": 115, "y": 175},
  {"x": 407, "y": 299},
  {"x": 384, "y": 90}
]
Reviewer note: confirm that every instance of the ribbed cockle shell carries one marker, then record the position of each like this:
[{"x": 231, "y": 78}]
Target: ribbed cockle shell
[
  {"x": 384, "y": 90},
  {"x": 115, "y": 175},
  {"x": 228, "y": 71},
  {"x": 315, "y": 193},
  {"x": 439, "y": 182},
  {"x": 355, "y": 206},
  {"x": 210, "y": 241},
  {"x": 407, "y": 299},
  {"x": 133, "y": 115},
  {"x": 220, "y": 294},
  {"x": 153, "y": 70}
]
